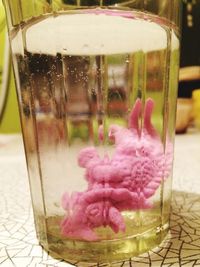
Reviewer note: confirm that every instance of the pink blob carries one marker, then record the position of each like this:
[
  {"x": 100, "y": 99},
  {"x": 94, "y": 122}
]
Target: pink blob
[
  {"x": 125, "y": 182},
  {"x": 86, "y": 155}
]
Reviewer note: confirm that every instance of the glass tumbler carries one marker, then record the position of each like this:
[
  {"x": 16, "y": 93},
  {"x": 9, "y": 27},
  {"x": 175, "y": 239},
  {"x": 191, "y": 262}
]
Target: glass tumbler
[{"x": 97, "y": 86}]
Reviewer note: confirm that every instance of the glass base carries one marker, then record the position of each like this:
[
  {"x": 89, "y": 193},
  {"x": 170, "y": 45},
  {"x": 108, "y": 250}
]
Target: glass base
[{"x": 106, "y": 251}]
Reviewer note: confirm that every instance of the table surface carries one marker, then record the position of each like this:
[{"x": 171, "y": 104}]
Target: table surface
[{"x": 19, "y": 246}]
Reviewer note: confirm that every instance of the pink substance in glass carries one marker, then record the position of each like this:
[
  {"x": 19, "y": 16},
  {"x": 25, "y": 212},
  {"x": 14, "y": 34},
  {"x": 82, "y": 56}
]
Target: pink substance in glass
[{"x": 124, "y": 182}]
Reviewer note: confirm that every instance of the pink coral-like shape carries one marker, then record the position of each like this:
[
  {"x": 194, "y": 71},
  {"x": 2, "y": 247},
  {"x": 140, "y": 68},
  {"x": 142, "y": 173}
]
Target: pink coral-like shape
[
  {"x": 124, "y": 182},
  {"x": 95, "y": 208}
]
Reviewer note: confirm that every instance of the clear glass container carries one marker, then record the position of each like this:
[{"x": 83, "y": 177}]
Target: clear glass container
[{"x": 97, "y": 87}]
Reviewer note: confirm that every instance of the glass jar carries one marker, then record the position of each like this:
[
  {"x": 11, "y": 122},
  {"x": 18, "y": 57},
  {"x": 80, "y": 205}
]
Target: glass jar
[{"x": 97, "y": 87}]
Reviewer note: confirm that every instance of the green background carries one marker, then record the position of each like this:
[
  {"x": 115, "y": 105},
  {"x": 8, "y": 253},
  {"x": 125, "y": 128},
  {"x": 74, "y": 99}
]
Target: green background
[{"x": 9, "y": 120}]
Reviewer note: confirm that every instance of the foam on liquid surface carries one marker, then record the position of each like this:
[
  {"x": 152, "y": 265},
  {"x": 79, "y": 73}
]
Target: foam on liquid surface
[{"x": 91, "y": 34}]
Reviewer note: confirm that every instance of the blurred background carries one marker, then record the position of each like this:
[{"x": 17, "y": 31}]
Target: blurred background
[
  {"x": 188, "y": 108},
  {"x": 188, "y": 105}
]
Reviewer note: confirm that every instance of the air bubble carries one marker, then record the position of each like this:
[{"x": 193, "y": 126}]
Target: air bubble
[
  {"x": 127, "y": 59},
  {"x": 85, "y": 48},
  {"x": 64, "y": 50}
]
